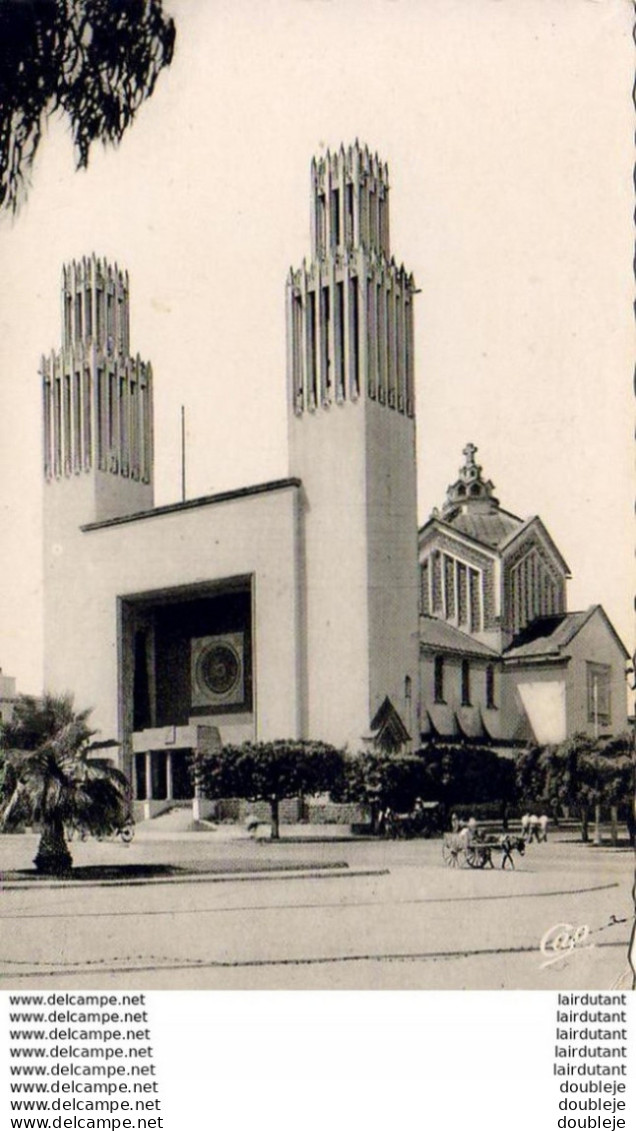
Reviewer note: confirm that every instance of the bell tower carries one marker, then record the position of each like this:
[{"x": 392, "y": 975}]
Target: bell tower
[
  {"x": 97, "y": 437},
  {"x": 97, "y": 399},
  {"x": 351, "y": 408}
]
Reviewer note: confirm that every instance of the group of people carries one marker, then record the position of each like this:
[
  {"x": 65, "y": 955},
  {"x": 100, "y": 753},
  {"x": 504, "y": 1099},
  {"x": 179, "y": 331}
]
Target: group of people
[{"x": 534, "y": 828}]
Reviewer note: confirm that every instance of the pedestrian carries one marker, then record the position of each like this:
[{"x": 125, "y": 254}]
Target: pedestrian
[
  {"x": 455, "y": 825},
  {"x": 525, "y": 826},
  {"x": 543, "y": 827},
  {"x": 533, "y": 829}
]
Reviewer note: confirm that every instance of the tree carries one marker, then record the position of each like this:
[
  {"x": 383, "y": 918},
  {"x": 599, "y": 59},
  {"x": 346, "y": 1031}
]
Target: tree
[
  {"x": 572, "y": 771},
  {"x": 468, "y": 775},
  {"x": 531, "y": 775},
  {"x": 617, "y": 769},
  {"x": 50, "y": 779},
  {"x": 269, "y": 771},
  {"x": 542, "y": 778},
  {"x": 590, "y": 785},
  {"x": 589, "y": 773},
  {"x": 381, "y": 781},
  {"x": 95, "y": 61}
]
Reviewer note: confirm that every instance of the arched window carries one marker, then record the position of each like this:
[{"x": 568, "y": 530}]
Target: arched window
[
  {"x": 490, "y": 686},
  {"x": 439, "y": 679},
  {"x": 465, "y": 683}
]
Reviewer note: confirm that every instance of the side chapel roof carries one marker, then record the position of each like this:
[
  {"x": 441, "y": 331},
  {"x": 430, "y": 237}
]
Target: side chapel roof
[{"x": 550, "y": 636}]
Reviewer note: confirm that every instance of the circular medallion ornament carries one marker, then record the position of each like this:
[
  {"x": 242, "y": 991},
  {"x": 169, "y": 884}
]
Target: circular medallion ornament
[{"x": 219, "y": 668}]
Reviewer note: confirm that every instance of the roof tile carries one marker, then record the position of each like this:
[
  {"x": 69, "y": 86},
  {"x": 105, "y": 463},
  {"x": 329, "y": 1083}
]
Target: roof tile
[
  {"x": 436, "y": 633},
  {"x": 547, "y": 635}
]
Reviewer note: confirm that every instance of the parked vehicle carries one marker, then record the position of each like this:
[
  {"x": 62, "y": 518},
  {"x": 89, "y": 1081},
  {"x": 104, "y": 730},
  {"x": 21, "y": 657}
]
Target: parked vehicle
[{"x": 422, "y": 821}]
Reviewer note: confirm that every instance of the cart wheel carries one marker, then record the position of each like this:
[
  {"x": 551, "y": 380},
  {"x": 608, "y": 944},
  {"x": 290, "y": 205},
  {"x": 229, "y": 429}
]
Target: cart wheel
[
  {"x": 475, "y": 858},
  {"x": 450, "y": 856},
  {"x": 127, "y": 833}
]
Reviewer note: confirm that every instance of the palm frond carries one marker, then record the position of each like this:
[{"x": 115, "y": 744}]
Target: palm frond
[{"x": 49, "y": 774}]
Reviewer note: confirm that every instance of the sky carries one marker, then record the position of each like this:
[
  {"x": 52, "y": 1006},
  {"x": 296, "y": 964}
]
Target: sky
[{"x": 507, "y": 128}]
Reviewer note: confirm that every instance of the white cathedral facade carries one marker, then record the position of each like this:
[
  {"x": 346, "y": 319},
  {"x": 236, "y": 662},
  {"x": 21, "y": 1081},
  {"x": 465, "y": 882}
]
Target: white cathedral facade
[{"x": 299, "y": 608}]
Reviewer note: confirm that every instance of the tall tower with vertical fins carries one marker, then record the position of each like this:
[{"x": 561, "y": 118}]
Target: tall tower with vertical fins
[
  {"x": 98, "y": 451},
  {"x": 97, "y": 399},
  {"x": 351, "y": 405}
]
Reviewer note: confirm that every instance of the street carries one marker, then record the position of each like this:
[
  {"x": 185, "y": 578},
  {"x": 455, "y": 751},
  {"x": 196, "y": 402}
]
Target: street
[{"x": 339, "y": 915}]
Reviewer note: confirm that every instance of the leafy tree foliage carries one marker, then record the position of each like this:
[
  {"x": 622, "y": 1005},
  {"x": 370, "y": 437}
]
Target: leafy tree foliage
[
  {"x": 547, "y": 776},
  {"x": 269, "y": 771},
  {"x": 50, "y": 779},
  {"x": 619, "y": 781},
  {"x": 95, "y": 61},
  {"x": 382, "y": 781},
  {"x": 468, "y": 775},
  {"x": 531, "y": 775},
  {"x": 450, "y": 775},
  {"x": 581, "y": 774}
]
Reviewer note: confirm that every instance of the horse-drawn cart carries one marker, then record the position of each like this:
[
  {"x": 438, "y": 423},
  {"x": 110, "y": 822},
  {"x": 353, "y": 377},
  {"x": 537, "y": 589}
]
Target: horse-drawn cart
[{"x": 473, "y": 851}]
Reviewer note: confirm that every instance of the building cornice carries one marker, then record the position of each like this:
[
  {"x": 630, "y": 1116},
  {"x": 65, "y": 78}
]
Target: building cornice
[
  {"x": 545, "y": 660},
  {"x": 194, "y": 504}
]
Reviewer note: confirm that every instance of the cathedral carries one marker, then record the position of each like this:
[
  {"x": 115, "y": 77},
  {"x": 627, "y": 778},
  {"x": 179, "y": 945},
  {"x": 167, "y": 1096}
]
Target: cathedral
[
  {"x": 502, "y": 661},
  {"x": 309, "y": 606}
]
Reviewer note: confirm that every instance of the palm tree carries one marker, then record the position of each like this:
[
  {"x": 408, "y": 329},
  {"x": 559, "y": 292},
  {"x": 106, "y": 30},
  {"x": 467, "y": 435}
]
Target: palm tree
[{"x": 50, "y": 779}]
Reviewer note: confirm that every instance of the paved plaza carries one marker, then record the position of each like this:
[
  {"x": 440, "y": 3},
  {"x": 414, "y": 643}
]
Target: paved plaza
[{"x": 329, "y": 914}]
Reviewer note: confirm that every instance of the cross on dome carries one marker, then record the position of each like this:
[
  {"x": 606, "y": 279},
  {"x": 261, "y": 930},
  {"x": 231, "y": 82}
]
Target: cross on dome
[
  {"x": 470, "y": 489},
  {"x": 471, "y": 470}
]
